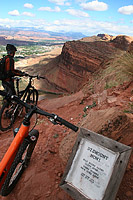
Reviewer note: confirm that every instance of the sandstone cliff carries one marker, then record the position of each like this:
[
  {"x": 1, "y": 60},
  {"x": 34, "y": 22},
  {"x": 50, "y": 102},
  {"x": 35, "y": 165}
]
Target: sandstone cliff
[
  {"x": 71, "y": 70},
  {"x": 122, "y": 42},
  {"x": 78, "y": 60},
  {"x": 130, "y": 48},
  {"x": 111, "y": 116},
  {"x": 99, "y": 37}
]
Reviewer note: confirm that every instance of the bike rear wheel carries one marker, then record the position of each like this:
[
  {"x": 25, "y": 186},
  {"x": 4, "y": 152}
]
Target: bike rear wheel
[
  {"x": 20, "y": 163},
  {"x": 6, "y": 116},
  {"x": 32, "y": 96}
]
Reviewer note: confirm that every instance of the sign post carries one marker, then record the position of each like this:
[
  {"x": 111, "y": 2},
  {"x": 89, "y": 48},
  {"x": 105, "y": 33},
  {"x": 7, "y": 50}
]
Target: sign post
[{"x": 95, "y": 168}]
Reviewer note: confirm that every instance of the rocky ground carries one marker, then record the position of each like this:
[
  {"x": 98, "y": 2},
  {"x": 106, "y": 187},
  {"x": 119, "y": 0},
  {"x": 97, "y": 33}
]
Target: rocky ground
[
  {"x": 111, "y": 115},
  {"x": 41, "y": 179}
]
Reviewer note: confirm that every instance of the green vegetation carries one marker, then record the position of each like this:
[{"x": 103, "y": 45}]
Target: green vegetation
[
  {"x": 2, "y": 51},
  {"x": 130, "y": 108},
  {"x": 127, "y": 64},
  {"x": 118, "y": 69},
  {"x": 56, "y": 135},
  {"x": 32, "y": 50},
  {"x": 88, "y": 107},
  {"x": 24, "y": 51}
]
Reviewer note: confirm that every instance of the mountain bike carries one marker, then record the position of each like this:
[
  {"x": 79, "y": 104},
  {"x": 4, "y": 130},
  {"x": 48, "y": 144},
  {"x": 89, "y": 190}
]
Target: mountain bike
[
  {"x": 10, "y": 110},
  {"x": 18, "y": 155}
]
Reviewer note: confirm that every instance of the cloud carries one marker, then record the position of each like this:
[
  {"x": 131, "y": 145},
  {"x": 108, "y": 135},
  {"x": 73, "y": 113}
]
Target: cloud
[
  {"x": 28, "y": 5},
  {"x": 95, "y": 6},
  {"x": 58, "y": 2},
  {"x": 45, "y": 9},
  {"x": 126, "y": 10},
  {"x": 80, "y": 1},
  {"x": 28, "y": 14},
  {"x": 67, "y": 4},
  {"x": 37, "y": 23},
  {"x": 8, "y": 26},
  {"x": 77, "y": 13},
  {"x": 14, "y": 13},
  {"x": 89, "y": 27},
  {"x": 86, "y": 26},
  {"x": 56, "y": 9}
]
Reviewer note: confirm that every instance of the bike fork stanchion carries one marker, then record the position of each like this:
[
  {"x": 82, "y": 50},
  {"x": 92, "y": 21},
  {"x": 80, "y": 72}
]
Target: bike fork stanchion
[{"x": 32, "y": 139}]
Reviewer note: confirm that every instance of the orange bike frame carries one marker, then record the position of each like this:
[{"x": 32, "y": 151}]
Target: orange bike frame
[{"x": 9, "y": 156}]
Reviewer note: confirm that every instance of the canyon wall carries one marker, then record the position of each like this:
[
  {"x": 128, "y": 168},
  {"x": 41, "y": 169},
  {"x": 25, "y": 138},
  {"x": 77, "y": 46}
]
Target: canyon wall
[
  {"x": 71, "y": 70},
  {"x": 78, "y": 60}
]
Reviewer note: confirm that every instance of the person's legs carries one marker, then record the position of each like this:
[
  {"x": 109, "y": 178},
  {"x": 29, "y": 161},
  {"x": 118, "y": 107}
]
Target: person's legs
[{"x": 9, "y": 87}]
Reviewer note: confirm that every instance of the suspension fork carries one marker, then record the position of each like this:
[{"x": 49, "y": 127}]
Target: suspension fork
[{"x": 9, "y": 156}]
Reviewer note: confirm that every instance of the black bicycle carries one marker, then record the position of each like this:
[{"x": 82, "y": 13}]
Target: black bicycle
[
  {"x": 11, "y": 110},
  {"x": 18, "y": 155}
]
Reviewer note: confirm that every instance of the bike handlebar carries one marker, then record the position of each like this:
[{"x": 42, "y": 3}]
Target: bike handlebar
[
  {"x": 53, "y": 117},
  {"x": 28, "y": 75},
  {"x": 34, "y": 76}
]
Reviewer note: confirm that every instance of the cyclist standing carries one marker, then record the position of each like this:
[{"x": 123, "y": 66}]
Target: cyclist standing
[{"x": 10, "y": 71}]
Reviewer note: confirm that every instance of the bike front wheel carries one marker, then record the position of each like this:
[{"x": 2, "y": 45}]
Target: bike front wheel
[
  {"x": 19, "y": 164},
  {"x": 6, "y": 116}
]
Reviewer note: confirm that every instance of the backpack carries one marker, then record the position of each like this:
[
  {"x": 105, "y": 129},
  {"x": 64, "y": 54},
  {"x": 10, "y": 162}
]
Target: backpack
[
  {"x": 3, "y": 74},
  {"x": 2, "y": 68}
]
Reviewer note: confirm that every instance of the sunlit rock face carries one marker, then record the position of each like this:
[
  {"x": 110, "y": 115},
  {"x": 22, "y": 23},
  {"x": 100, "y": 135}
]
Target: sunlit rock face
[
  {"x": 77, "y": 61},
  {"x": 122, "y": 42},
  {"x": 130, "y": 49}
]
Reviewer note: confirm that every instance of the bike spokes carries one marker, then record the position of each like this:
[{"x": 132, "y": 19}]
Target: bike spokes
[{"x": 6, "y": 116}]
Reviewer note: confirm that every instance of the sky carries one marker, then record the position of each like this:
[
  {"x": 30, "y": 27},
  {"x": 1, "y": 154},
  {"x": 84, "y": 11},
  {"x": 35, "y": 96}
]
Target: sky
[{"x": 89, "y": 17}]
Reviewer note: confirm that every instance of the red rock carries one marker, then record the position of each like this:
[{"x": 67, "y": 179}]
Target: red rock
[
  {"x": 129, "y": 194},
  {"x": 122, "y": 42},
  {"x": 131, "y": 98},
  {"x": 111, "y": 99},
  {"x": 78, "y": 60},
  {"x": 130, "y": 48}
]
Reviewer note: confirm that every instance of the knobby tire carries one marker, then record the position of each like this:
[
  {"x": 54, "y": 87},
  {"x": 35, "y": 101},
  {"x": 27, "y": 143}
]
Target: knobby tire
[
  {"x": 8, "y": 113},
  {"x": 26, "y": 150},
  {"x": 32, "y": 97},
  {"x": 6, "y": 119}
]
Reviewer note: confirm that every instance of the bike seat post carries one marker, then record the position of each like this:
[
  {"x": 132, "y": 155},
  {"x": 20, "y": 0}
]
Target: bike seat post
[{"x": 30, "y": 79}]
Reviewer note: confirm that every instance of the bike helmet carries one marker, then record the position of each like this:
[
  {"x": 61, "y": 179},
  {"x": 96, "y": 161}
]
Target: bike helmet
[{"x": 10, "y": 47}]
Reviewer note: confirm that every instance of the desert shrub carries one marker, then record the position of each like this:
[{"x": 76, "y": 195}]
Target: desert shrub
[
  {"x": 119, "y": 70},
  {"x": 127, "y": 63}
]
